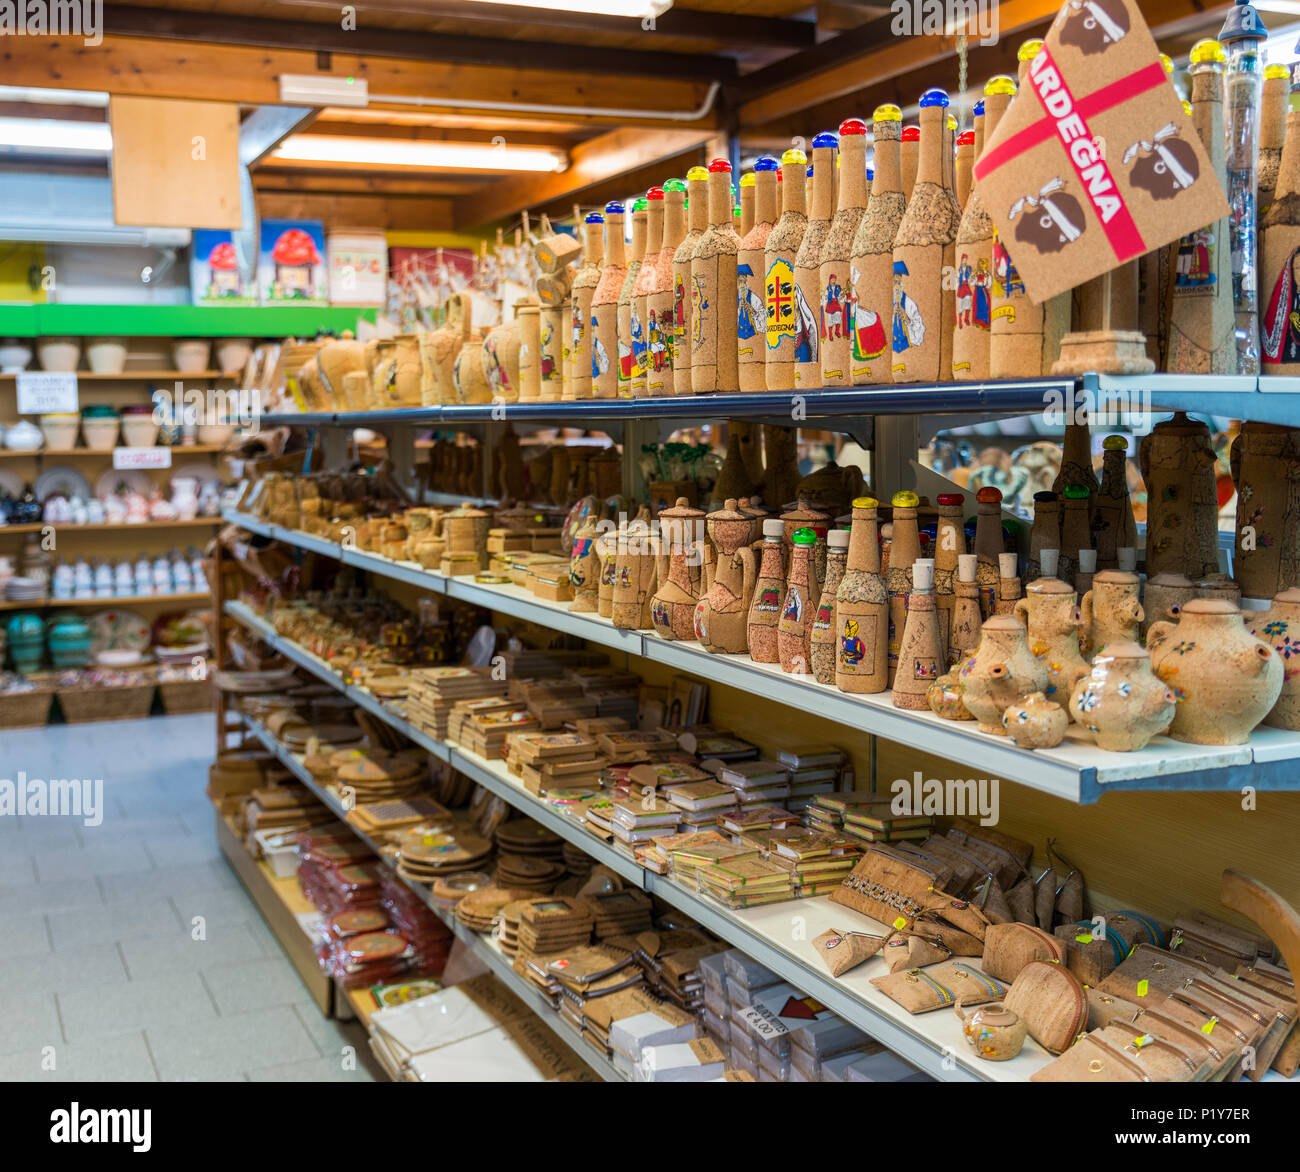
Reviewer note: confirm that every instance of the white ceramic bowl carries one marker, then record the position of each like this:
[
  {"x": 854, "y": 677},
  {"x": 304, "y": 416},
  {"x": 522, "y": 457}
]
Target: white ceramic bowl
[
  {"x": 191, "y": 356},
  {"x": 139, "y": 431},
  {"x": 116, "y": 658},
  {"x": 106, "y": 355},
  {"x": 23, "y": 437},
  {"x": 59, "y": 353},
  {"x": 233, "y": 354},
  {"x": 14, "y": 356}
]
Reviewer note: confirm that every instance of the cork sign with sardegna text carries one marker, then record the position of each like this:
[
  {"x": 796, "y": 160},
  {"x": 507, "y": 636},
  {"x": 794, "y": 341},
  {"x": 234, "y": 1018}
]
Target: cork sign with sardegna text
[{"x": 1096, "y": 162}]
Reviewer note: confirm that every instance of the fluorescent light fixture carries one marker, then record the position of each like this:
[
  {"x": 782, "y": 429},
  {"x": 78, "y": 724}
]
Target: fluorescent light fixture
[
  {"x": 308, "y": 89},
  {"x": 48, "y": 136},
  {"x": 396, "y": 152},
  {"x": 23, "y": 93},
  {"x": 633, "y": 9}
]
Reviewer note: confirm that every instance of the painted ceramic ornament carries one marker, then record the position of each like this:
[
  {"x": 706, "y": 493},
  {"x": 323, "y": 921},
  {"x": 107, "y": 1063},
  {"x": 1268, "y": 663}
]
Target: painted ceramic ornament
[
  {"x": 1003, "y": 673},
  {"x": 838, "y": 316},
  {"x": 1279, "y": 626},
  {"x": 631, "y": 331},
  {"x": 798, "y": 607},
  {"x": 1120, "y": 703},
  {"x": 1177, "y": 462},
  {"x": 1038, "y": 723},
  {"x": 823, "y": 640},
  {"x": 807, "y": 265},
  {"x": 946, "y": 696},
  {"x": 862, "y": 609},
  {"x": 779, "y": 254},
  {"x": 871, "y": 261},
  {"x": 604, "y": 309},
  {"x": 1265, "y": 460},
  {"x": 713, "y": 292},
  {"x": 751, "y": 269},
  {"x": 697, "y": 207},
  {"x": 921, "y": 657},
  {"x": 1111, "y": 611},
  {"x": 765, "y": 606},
  {"x": 660, "y": 332}
]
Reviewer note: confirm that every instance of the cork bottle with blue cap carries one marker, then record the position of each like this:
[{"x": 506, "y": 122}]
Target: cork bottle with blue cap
[
  {"x": 779, "y": 254},
  {"x": 645, "y": 278},
  {"x": 604, "y": 307},
  {"x": 921, "y": 335},
  {"x": 626, "y": 342},
  {"x": 658, "y": 313},
  {"x": 584, "y": 288},
  {"x": 751, "y": 309},
  {"x": 871, "y": 261},
  {"x": 713, "y": 291},
  {"x": 807, "y": 266},
  {"x": 836, "y": 280},
  {"x": 697, "y": 207}
]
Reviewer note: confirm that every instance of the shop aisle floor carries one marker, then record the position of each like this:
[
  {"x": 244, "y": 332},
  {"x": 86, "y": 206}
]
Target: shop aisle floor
[{"x": 101, "y": 973}]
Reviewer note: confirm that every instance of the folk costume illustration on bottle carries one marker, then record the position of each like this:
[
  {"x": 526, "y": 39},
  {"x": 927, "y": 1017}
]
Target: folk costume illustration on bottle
[
  {"x": 578, "y": 322},
  {"x": 751, "y": 305},
  {"x": 713, "y": 291},
  {"x": 779, "y": 254},
  {"x": 871, "y": 264},
  {"x": 922, "y": 340},
  {"x": 807, "y": 265},
  {"x": 697, "y": 208},
  {"x": 838, "y": 308},
  {"x": 630, "y": 333},
  {"x": 645, "y": 279},
  {"x": 1280, "y": 270},
  {"x": 604, "y": 308},
  {"x": 660, "y": 337}
]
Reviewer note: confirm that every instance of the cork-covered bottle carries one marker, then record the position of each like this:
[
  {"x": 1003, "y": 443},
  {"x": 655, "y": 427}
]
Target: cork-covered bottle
[
  {"x": 769, "y": 586},
  {"x": 1177, "y": 461},
  {"x": 823, "y": 640},
  {"x": 751, "y": 306},
  {"x": 658, "y": 315},
  {"x": 1113, "y": 523},
  {"x": 904, "y": 549},
  {"x": 1274, "y": 103},
  {"x": 964, "y": 162},
  {"x": 798, "y": 607},
  {"x": 1265, "y": 462},
  {"x": 604, "y": 307},
  {"x": 807, "y": 265},
  {"x": 551, "y": 347},
  {"x": 1044, "y": 531},
  {"x": 584, "y": 289},
  {"x": 779, "y": 254},
  {"x": 697, "y": 220},
  {"x": 713, "y": 291},
  {"x": 988, "y": 545},
  {"x": 909, "y": 158},
  {"x": 922, "y": 305},
  {"x": 837, "y": 305},
  {"x": 862, "y": 609},
  {"x": 1076, "y": 455},
  {"x": 1076, "y": 527},
  {"x": 645, "y": 281},
  {"x": 1008, "y": 584},
  {"x": 967, "y": 621},
  {"x": 871, "y": 264},
  {"x": 949, "y": 546},
  {"x": 1279, "y": 270},
  {"x": 921, "y": 658},
  {"x": 626, "y": 341}
]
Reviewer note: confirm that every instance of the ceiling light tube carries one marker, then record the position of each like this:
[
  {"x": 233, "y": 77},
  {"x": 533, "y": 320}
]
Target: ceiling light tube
[
  {"x": 49, "y": 136},
  {"x": 633, "y": 9},
  {"x": 396, "y": 152}
]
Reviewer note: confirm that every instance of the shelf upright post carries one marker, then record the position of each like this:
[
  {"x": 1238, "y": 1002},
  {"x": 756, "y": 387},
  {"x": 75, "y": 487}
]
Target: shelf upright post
[
  {"x": 401, "y": 453},
  {"x": 335, "y": 441},
  {"x": 636, "y": 432},
  {"x": 896, "y": 442}
]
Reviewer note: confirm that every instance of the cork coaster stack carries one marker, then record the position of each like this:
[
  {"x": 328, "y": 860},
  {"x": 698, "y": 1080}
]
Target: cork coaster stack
[
  {"x": 697, "y": 207},
  {"x": 426, "y": 853},
  {"x": 378, "y": 777},
  {"x": 751, "y": 330},
  {"x": 578, "y": 324},
  {"x": 713, "y": 292},
  {"x": 480, "y": 909},
  {"x": 807, "y": 265},
  {"x": 528, "y": 872},
  {"x": 552, "y": 924},
  {"x": 604, "y": 307},
  {"x": 523, "y": 836},
  {"x": 619, "y": 913},
  {"x": 385, "y": 817},
  {"x": 435, "y": 691},
  {"x": 779, "y": 255}
]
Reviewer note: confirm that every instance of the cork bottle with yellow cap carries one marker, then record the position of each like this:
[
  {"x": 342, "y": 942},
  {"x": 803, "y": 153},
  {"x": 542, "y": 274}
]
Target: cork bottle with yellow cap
[
  {"x": 713, "y": 291},
  {"x": 904, "y": 549},
  {"x": 807, "y": 265},
  {"x": 658, "y": 315},
  {"x": 604, "y": 308},
  {"x": 645, "y": 279},
  {"x": 779, "y": 254},
  {"x": 974, "y": 258},
  {"x": 584, "y": 289},
  {"x": 635, "y": 257},
  {"x": 751, "y": 326},
  {"x": 837, "y": 306},
  {"x": 1279, "y": 288},
  {"x": 748, "y": 182},
  {"x": 871, "y": 263},
  {"x": 697, "y": 208},
  {"x": 923, "y": 302},
  {"x": 862, "y": 609},
  {"x": 1202, "y": 326}
]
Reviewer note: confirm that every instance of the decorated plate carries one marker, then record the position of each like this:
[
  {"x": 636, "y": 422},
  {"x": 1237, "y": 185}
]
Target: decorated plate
[
  {"x": 61, "y": 481},
  {"x": 11, "y": 484},
  {"x": 118, "y": 630},
  {"x": 120, "y": 481}
]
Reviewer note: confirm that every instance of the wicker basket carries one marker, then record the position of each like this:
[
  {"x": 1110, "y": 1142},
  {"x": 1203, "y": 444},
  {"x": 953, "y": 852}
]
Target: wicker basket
[
  {"x": 181, "y": 696},
  {"x": 26, "y": 709},
  {"x": 82, "y": 705}
]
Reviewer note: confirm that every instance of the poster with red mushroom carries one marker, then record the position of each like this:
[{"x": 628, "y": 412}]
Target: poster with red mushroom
[
  {"x": 215, "y": 275},
  {"x": 291, "y": 263}
]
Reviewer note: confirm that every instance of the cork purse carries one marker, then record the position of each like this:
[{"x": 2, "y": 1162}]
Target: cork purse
[
  {"x": 940, "y": 987},
  {"x": 1009, "y": 947},
  {"x": 891, "y": 887},
  {"x": 841, "y": 951},
  {"x": 1052, "y": 1002},
  {"x": 1101, "y": 1057}
]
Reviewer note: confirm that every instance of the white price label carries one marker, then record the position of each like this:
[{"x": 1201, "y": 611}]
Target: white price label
[
  {"x": 41, "y": 391},
  {"x": 763, "y": 1021},
  {"x": 158, "y": 457}
]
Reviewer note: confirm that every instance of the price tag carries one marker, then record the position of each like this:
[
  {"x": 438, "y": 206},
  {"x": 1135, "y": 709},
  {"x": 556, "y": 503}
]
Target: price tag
[
  {"x": 159, "y": 457},
  {"x": 41, "y": 391}
]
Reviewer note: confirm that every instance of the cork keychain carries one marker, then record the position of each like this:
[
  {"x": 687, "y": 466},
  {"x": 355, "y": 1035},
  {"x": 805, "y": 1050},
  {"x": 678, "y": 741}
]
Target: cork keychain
[
  {"x": 835, "y": 280},
  {"x": 584, "y": 288},
  {"x": 1279, "y": 292},
  {"x": 654, "y": 236},
  {"x": 909, "y": 157},
  {"x": 697, "y": 220},
  {"x": 779, "y": 255},
  {"x": 660, "y": 340},
  {"x": 628, "y": 329},
  {"x": 922, "y": 250},
  {"x": 713, "y": 291},
  {"x": 807, "y": 265},
  {"x": 751, "y": 324},
  {"x": 871, "y": 265},
  {"x": 604, "y": 308}
]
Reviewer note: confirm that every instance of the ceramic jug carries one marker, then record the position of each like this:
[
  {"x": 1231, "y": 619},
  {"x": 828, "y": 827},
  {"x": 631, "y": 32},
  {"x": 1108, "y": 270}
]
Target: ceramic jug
[
  {"x": 765, "y": 608},
  {"x": 1111, "y": 611},
  {"x": 993, "y": 1031},
  {"x": 1003, "y": 672},
  {"x": 722, "y": 615},
  {"x": 1225, "y": 679},
  {"x": 1163, "y": 597},
  {"x": 672, "y": 609},
  {"x": 1052, "y": 617},
  {"x": 1038, "y": 723},
  {"x": 1280, "y": 627},
  {"x": 1120, "y": 702}
]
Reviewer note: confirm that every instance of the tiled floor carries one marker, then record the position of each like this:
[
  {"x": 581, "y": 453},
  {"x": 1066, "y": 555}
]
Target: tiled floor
[{"x": 99, "y": 972}]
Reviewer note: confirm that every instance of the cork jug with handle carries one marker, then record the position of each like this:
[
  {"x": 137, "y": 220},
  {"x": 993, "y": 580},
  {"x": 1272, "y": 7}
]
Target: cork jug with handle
[
  {"x": 672, "y": 610},
  {"x": 1003, "y": 672},
  {"x": 1111, "y": 611},
  {"x": 1280, "y": 627},
  {"x": 722, "y": 614},
  {"x": 1052, "y": 616},
  {"x": 1120, "y": 702}
]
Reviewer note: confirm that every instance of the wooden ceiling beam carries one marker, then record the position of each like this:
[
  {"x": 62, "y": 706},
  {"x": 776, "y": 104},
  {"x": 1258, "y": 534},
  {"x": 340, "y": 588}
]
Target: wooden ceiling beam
[
  {"x": 340, "y": 126},
  {"x": 358, "y": 211},
  {"x": 333, "y": 183}
]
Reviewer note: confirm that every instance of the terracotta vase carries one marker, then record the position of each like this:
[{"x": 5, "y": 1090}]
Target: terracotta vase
[
  {"x": 963, "y": 637},
  {"x": 1225, "y": 679},
  {"x": 714, "y": 322},
  {"x": 672, "y": 610},
  {"x": 1120, "y": 702},
  {"x": 862, "y": 609},
  {"x": 751, "y": 330},
  {"x": 697, "y": 207},
  {"x": 798, "y": 607},
  {"x": 1053, "y": 620},
  {"x": 1279, "y": 626},
  {"x": 807, "y": 265},
  {"x": 631, "y": 334},
  {"x": 784, "y": 321},
  {"x": 993, "y": 1031},
  {"x": 1038, "y": 723},
  {"x": 822, "y": 641},
  {"x": 835, "y": 281},
  {"x": 1177, "y": 461},
  {"x": 1111, "y": 611},
  {"x": 1163, "y": 598},
  {"x": 1003, "y": 672},
  {"x": 722, "y": 615},
  {"x": 501, "y": 362},
  {"x": 1113, "y": 524},
  {"x": 765, "y": 607},
  {"x": 604, "y": 308},
  {"x": 1265, "y": 461},
  {"x": 921, "y": 657}
]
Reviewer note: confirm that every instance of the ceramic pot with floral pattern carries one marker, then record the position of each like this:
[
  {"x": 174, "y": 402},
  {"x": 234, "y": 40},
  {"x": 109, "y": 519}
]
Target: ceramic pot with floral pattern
[
  {"x": 1279, "y": 626},
  {"x": 1120, "y": 702}
]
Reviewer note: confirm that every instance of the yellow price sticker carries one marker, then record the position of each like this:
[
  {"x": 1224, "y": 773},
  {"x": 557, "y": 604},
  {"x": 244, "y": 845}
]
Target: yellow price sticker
[
  {"x": 1084, "y": 938},
  {"x": 900, "y": 923},
  {"x": 1143, "y": 1040},
  {"x": 1144, "y": 987},
  {"x": 1208, "y": 1027}
]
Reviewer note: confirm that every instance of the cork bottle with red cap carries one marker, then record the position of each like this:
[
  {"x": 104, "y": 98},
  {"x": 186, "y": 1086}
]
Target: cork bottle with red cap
[
  {"x": 751, "y": 325},
  {"x": 949, "y": 545},
  {"x": 604, "y": 308},
  {"x": 909, "y": 157},
  {"x": 697, "y": 208},
  {"x": 626, "y": 342},
  {"x": 862, "y": 609},
  {"x": 584, "y": 289},
  {"x": 922, "y": 304},
  {"x": 779, "y": 254},
  {"x": 835, "y": 280},
  {"x": 871, "y": 263},
  {"x": 807, "y": 265},
  {"x": 1273, "y": 108},
  {"x": 964, "y": 162},
  {"x": 645, "y": 278},
  {"x": 713, "y": 291},
  {"x": 658, "y": 315},
  {"x": 904, "y": 549},
  {"x": 988, "y": 546}
]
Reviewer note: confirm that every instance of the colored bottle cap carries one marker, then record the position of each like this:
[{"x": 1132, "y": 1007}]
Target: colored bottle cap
[
  {"x": 871, "y": 175},
  {"x": 697, "y": 173},
  {"x": 905, "y": 499},
  {"x": 1001, "y": 84},
  {"x": 804, "y": 537},
  {"x": 911, "y": 134},
  {"x": 825, "y": 139},
  {"x": 951, "y": 498},
  {"x": 1276, "y": 72},
  {"x": 966, "y": 138},
  {"x": 766, "y": 163},
  {"x": 865, "y": 502},
  {"x": 719, "y": 167},
  {"x": 809, "y": 172},
  {"x": 640, "y": 204},
  {"x": 1076, "y": 492},
  {"x": 1115, "y": 443},
  {"x": 952, "y": 122},
  {"x": 934, "y": 96},
  {"x": 852, "y": 126},
  {"x": 887, "y": 113},
  {"x": 595, "y": 218},
  {"x": 736, "y": 212},
  {"x": 1208, "y": 52},
  {"x": 674, "y": 185},
  {"x": 989, "y": 495},
  {"x": 1046, "y": 497},
  {"x": 1242, "y": 24},
  {"x": 1187, "y": 107},
  {"x": 793, "y": 157},
  {"x": 1029, "y": 50},
  {"x": 614, "y": 208},
  {"x": 979, "y": 108},
  {"x": 655, "y": 193},
  {"x": 748, "y": 179},
  {"x": 1167, "y": 62}
]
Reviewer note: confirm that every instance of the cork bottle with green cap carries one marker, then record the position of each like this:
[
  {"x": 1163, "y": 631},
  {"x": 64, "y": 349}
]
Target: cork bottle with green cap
[
  {"x": 1113, "y": 523},
  {"x": 626, "y": 341},
  {"x": 921, "y": 657},
  {"x": 974, "y": 258},
  {"x": 822, "y": 642},
  {"x": 988, "y": 545},
  {"x": 584, "y": 289},
  {"x": 798, "y": 607},
  {"x": 871, "y": 261},
  {"x": 837, "y": 314},
  {"x": 658, "y": 312},
  {"x": 923, "y": 301},
  {"x": 1202, "y": 337},
  {"x": 949, "y": 545},
  {"x": 779, "y": 254},
  {"x": 713, "y": 291},
  {"x": 1076, "y": 528},
  {"x": 807, "y": 266},
  {"x": 697, "y": 220},
  {"x": 645, "y": 279},
  {"x": 769, "y": 586},
  {"x": 604, "y": 307},
  {"x": 751, "y": 325},
  {"x": 862, "y": 609}
]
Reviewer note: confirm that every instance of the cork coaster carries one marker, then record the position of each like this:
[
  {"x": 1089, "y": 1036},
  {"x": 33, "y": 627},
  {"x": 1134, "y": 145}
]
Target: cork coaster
[
  {"x": 357, "y": 921},
  {"x": 372, "y": 946}
]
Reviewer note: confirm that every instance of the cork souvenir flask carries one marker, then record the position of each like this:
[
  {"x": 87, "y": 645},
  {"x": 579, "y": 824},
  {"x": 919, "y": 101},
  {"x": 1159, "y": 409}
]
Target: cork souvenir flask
[
  {"x": 922, "y": 306},
  {"x": 973, "y": 255},
  {"x": 697, "y": 208},
  {"x": 909, "y": 157},
  {"x": 798, "y": 607},
  {"x": 1273, "y": 108},
  {"x": 1051, "y": 615},
  {"x": 713, "y": 291},
  {"x": 904, "y": 549},
  {"x": 988, "y": 545},
  {"x": 822, "y": 642},
  {"x": 1113, "y": 523},
  {"x": 964, "y": 162},
  {"x": 722, "y": 615},
  {"x": 921, "y": 658},
  {"x": 645, "y": 279},
  {"x": 871, "y": 263},
  {"x": 751, "y": 306},
  {"x": 769, "y": 586},
  {"x": 604, "y": 308},
  {"x": 660, "y": 338},
  {"x": 672, "y": 610},
  {"x": 835, "y": 281},
  {"x": 807, "y": 265},
  {"x": 1008, "y": 584},
  {"x": 631, "y": 336},
  {"x": 1279, "y": 271},
  {"x": 862, "y": 609},
  {"x": 1177, "y": 462},
  {"x": 1202, "y": 326},
  {"x": 949, "y": 545},
  {"x": 1265, "y": 461},
  {"x": 578, "y": 322},
  {"x": 1111, "y": 610},
  {"x": 779, "y": 255},
  {"x": 963, "y": 637}
]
